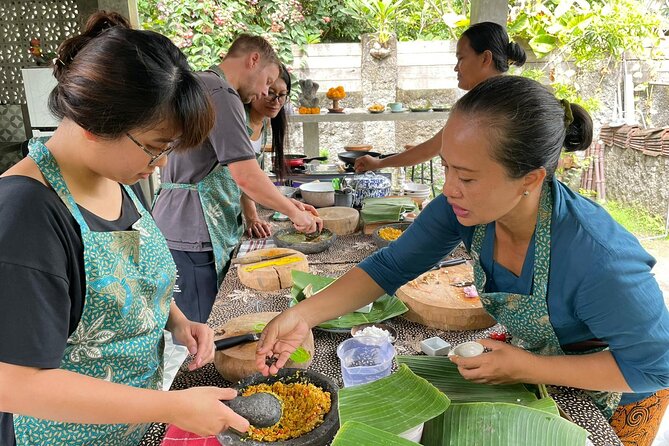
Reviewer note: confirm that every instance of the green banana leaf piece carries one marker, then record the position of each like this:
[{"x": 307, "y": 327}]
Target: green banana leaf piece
[
  {"x": 377, "y": 210},
  {"x": 444, "y": 375},
  {"x": 384, "y": 308},
  {"x": 546, "y": 404},
  {"x": 394, "y": 404},
  {"x": 500, "y": 424},
  {"x": 353, "y": 433},
  {"x": 491, "y": 415}
]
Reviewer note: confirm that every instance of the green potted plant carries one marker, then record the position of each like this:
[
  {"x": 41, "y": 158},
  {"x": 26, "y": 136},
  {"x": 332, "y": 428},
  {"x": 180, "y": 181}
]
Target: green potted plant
[{"x": 379, "y": 16}]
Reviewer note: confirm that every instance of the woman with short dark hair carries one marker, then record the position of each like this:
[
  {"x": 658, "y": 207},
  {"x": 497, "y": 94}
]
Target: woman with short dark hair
[{"x": 85, "y": 275}]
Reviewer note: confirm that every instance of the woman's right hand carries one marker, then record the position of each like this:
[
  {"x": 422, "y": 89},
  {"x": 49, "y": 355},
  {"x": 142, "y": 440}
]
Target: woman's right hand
[
  {"x": 280, "y": 338},
  {"x": 365, "y": 163},
  {"x": 200, "y": 410},
  {"x": 305, "y": 221}
]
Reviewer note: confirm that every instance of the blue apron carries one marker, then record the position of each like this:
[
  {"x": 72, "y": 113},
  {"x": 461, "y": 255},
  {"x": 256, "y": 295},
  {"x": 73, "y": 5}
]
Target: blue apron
[
  {"x": 129, "y": 280},
  {"x": 526, "y": 317}
]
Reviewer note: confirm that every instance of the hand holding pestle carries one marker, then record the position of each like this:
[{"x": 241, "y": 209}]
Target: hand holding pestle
[{"x": 261, "y": 409}]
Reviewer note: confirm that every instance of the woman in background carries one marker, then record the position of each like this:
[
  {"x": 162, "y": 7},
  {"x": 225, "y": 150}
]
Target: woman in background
[
  {"x": 483, "y": 51},
  {"x": 261, "y": 114}
]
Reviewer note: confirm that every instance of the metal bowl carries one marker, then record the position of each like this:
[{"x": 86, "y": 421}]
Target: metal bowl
[
  {"x": 381, "y": 242},
  {"x": 305, "y": 247},
  {"x": 320, "y": 436},
  {"x": 318, "y": 194}
]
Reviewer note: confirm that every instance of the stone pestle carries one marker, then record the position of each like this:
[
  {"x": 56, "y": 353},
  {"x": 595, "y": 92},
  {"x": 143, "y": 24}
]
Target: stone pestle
[{"x": 261, "y": 409}]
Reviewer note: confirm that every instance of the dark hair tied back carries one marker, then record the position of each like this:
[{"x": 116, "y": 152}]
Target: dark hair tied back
[
  {"x": 579, "y": 130},
  {"x": 95, "y": 25},
  {"x": 490, "y": 36},
  {"x": 515, "y": 54},
  {"x": 279, "y": 126},
  {"x": 114, "y": 80},
  {"x": 525, "y": 123}
]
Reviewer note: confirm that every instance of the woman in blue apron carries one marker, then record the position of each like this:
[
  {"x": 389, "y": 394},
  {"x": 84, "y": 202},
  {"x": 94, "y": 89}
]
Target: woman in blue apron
[
  {"x": 261, "y": 114},
  {"x": 85, "y": 275},
  {"x": 572, "y": 287}
]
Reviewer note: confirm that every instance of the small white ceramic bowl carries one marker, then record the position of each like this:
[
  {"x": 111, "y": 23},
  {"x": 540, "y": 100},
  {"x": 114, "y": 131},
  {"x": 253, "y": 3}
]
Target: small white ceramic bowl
[
  {"x": 435, "y": 346},
  {"x": 409, "y": 216},
  {"x": 416, "y": 187},
  {"x": 467, "y": 349}
]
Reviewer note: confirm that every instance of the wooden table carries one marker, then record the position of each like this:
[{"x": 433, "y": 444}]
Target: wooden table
[
  {"x": 310, "y": 131},
  {"x": 234, "y": 299}
]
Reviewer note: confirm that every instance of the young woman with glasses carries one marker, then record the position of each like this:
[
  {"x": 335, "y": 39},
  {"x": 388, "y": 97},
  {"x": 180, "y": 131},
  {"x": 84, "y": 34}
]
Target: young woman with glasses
[
  {"x": 261, "y": 114},
  {"x": 86, "y": 277}
]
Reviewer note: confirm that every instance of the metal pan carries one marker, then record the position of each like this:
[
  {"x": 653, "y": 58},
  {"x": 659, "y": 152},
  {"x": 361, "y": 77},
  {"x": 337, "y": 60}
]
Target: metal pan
[
  {"x": 299, "y": 160},
  {"x": 350, "y": 157}
]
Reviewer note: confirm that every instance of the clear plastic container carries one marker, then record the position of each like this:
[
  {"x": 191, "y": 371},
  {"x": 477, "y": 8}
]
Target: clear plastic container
[
  {"x": 397, "y": 182},
  {"x": 365, "y": 359}
]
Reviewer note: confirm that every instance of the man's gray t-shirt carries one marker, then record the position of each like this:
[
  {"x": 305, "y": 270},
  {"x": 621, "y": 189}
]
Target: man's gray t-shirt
[{"x": 178, "y": 212}]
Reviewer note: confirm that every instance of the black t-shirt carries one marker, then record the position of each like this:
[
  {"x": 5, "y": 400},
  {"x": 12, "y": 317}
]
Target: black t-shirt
[{"x": 42, "y": 276}]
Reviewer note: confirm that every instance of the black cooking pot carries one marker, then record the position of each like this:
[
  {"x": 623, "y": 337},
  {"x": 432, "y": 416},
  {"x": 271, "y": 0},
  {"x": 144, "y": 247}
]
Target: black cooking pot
[{"x": 350, "y": 157}]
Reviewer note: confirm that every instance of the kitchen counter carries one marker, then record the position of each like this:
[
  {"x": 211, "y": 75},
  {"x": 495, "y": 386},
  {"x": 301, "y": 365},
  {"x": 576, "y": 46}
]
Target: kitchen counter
[{"x": 310, "y": 131}]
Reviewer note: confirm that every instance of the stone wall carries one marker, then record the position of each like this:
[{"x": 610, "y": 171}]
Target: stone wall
[
  {"x": 631, "y": 176},
  {"x": 635, "y": 178}
]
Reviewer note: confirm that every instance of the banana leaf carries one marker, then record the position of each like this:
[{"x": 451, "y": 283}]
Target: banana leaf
[
  {"x": 546, "y": 404},
  {"x": 385, "y": 307},
  {"x": 500, "y": 424},
  {"x": 444, "y": 375},
  {"x": 353, "y": 433},
  {"x": 495, "y": 415},
  {"x": 394, "y": 404},
  {"x": 378, "y": 210}
]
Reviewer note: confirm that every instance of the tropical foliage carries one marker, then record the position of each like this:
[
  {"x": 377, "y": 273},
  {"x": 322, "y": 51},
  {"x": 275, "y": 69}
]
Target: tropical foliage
[
  {"x": 583, "y": 31},
  {"x": 204, "y": 29},
  {"x": 586, "y": 31}
]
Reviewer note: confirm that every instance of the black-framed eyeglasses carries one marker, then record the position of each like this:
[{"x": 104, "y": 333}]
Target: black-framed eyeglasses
[
  {"x": 154, "y": 158},
  {"x": 271, "y": 97}
]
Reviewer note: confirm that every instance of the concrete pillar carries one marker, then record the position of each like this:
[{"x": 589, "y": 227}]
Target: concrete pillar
[
  {"x": 489, "y": 11},
  {"x": 127, "y": 8},
  {"x": 379, "y": 84}
]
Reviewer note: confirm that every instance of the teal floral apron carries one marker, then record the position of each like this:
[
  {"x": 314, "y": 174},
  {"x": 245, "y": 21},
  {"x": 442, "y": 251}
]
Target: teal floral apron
[
  {"x": 526, "y": 317},
  {"x": 220, "y": 200},
  {"x": 129, "y": 280}
]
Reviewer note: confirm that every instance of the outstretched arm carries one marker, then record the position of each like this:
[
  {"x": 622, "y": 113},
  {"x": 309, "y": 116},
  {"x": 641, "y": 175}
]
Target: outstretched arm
[{"x": 424, "y": 151}]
